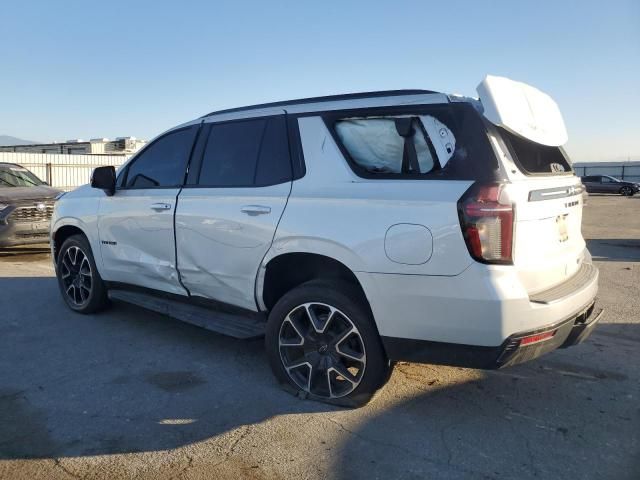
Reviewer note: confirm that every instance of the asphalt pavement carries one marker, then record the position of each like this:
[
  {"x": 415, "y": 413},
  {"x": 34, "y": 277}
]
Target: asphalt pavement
[{"x": 131, "y": 394}]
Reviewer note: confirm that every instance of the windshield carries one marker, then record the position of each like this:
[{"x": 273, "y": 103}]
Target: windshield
[{"x": 15, "y": 176}]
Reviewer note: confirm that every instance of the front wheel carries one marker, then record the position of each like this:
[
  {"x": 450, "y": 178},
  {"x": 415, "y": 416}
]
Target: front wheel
[
  {"x": 322, "y": 343},
  {"x": 626, "y": 191},
  {"x": 80, "y": 284}
]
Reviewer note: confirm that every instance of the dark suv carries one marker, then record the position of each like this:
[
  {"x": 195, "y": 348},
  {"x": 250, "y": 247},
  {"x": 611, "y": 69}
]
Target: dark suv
[
  {"x": 26, "y": 205},
  {"x": 607, "y": 184}
]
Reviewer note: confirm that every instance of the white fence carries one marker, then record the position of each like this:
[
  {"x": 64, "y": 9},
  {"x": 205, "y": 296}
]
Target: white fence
[{"x": 65, "y": 172}]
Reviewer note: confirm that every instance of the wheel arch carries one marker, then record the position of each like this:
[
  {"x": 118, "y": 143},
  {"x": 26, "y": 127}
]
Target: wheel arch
[
  {"x": 59, "y": 236},
  {"x": 281, "y": 273}
]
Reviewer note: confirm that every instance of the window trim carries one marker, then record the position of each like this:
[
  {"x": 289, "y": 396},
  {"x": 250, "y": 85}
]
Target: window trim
[
  {"x": 296, "y": 152},
  {"x": 198, "y": 162},
  {"x": 138, "y": 155}
]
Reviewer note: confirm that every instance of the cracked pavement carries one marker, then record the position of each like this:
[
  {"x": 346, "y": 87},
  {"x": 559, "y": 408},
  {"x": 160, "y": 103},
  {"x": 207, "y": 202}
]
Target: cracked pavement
[{"x": 131, "y": 394}]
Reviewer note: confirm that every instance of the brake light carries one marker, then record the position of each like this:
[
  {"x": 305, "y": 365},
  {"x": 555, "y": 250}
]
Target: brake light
[{"x": 487, "y": 223}]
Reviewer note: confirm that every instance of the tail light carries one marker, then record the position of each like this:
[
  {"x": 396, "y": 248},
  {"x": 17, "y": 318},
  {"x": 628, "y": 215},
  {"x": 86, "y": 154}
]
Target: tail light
[{"x": 487, "y": 223}]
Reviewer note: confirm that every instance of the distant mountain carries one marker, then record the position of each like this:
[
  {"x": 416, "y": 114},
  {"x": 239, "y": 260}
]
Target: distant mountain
[{"x": 9, "y": 140}]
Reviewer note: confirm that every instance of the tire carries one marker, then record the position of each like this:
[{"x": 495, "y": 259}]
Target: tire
[
  {"x": 626, "y": 191},
  {"x": 80, "y": 284},
  {"x": 318, "y": 330}
]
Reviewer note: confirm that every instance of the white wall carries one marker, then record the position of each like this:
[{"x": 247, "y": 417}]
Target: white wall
[{"x": 65, "y": 172}]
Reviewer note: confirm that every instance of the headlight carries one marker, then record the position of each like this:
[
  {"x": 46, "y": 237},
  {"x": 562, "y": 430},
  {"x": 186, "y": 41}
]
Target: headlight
[{"x": 3, "y": 212}]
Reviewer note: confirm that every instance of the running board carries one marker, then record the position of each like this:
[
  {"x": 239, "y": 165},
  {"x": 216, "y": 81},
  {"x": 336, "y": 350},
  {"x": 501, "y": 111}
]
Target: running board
[{"x": 232, "y": 324}]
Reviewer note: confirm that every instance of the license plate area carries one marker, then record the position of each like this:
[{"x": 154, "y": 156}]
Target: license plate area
[
  {"x": 563, "y": 232},
  {"x": 29, "y": 227}
]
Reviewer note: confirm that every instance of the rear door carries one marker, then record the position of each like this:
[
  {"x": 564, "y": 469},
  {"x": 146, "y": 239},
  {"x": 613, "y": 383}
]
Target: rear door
[
  {"x": 136, "y": 224},
  {"x": 228, "y": 212},
  {"x": 549, "y": 247}
]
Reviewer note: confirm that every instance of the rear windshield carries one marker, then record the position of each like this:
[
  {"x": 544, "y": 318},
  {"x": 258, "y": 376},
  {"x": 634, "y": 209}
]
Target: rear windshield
[
  {"x": 534, "y": 158},
  {"x": 15, "y": 176}
]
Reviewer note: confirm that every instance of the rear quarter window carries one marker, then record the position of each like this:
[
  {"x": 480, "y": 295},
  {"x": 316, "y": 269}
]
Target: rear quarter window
[
  {"x": 444, "y": 141},
  {"x": 377, "y": 145}
]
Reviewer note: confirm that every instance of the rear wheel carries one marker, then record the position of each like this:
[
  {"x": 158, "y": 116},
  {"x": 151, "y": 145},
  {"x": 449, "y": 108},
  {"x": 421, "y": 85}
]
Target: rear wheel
[
  {"x": 322, "y": 344},
  {"x": 80, "y": 284},
  {"x": 626, "y": 191}
]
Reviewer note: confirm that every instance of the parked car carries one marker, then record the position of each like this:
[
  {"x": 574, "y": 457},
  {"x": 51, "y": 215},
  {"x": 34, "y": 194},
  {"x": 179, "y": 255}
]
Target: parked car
[
  {"x": 608, "y": 184},
  {"x": 351, "y": 231},
  {"x": 26, "y": 206}
]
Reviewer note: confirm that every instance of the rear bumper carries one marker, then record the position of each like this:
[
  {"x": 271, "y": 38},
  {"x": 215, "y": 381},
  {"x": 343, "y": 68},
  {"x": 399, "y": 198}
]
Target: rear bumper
[
  {"x": 483, "y": 306},
  {"x": 512, "y": 351}
]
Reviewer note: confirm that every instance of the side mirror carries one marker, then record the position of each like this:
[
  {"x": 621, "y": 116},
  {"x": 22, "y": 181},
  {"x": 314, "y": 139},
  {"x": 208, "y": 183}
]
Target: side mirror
[{"x": 104, "y": 178}]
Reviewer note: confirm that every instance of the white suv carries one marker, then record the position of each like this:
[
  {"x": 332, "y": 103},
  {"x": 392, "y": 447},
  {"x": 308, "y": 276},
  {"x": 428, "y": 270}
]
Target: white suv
[{"x": 351, "y": 231}]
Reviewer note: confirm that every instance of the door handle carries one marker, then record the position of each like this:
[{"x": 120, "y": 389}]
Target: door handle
[
  {"x": 160, "y": 206},
  {"x": 254, "y": 210}
]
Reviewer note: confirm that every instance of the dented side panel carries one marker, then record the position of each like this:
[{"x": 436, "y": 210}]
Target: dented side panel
[
  {"x": 136, "y": 240},
  {"x": 222, "y": 236}
]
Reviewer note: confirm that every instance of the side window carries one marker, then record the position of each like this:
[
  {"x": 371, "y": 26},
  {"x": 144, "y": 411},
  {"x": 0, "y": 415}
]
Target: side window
[
  {"x": 605, "y": 179},
  {"x": 387, "y": 145},
  {"x": 162, "y": 163},
  {"x": 246, "y": 153}
]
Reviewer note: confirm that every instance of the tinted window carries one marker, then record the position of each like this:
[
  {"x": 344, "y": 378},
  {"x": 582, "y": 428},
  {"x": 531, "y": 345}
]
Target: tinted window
[
  {"x": 246, "y": 153},
  {"x": 162, "y": 163}
]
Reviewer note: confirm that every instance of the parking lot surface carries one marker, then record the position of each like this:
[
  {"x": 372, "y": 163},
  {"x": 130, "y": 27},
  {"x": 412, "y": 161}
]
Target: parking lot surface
[{"x": 131, "y": 394}]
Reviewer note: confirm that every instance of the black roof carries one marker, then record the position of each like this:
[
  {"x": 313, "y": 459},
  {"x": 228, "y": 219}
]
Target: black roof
[{"x": 327, "y": 98}]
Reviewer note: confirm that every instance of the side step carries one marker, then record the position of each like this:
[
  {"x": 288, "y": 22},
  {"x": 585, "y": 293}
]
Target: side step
[{"x": 235, "y": 325}]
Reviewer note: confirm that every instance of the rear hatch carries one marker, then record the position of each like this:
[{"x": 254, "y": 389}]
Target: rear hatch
[{"x": 528, "y": 133}]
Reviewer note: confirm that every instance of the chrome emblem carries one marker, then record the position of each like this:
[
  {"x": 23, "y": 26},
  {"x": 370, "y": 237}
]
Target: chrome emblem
[
  {"x": 41, "y": 207},
  {"x": 556, "y": 167}
]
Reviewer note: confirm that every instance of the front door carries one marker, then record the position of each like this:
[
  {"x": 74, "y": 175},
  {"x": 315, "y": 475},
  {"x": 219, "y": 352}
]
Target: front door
[
  {"x": 228, "y": 212},
  {"x": 136, "y": 224}
]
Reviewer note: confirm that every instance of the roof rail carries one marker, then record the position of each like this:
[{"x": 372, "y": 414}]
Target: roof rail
[{"x": 327, "y": 98}]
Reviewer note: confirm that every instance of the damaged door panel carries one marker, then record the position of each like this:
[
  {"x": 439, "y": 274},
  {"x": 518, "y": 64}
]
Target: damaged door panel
[
  {"x": 228, "y": 213},
  {"x": 136, "y": 224}
]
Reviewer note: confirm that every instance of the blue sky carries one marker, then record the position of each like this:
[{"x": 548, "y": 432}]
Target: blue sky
[{"x": 74, "y": 69}]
